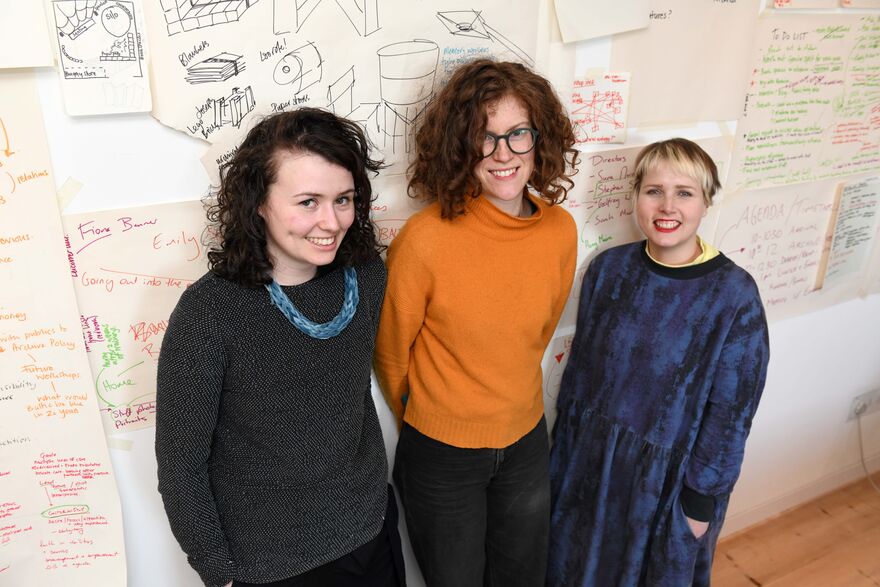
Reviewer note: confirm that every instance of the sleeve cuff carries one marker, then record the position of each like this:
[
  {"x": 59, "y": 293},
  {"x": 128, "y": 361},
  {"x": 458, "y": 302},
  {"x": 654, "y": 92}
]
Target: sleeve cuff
[{"x": 695, "y": 505}]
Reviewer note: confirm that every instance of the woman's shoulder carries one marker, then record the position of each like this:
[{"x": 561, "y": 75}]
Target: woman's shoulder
[{"x": 372, "y": 271}]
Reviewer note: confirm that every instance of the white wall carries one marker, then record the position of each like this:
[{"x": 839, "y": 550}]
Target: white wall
[{"x": 800, "y": 444}]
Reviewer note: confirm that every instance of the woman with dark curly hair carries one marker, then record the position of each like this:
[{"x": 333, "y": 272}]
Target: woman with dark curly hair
[
  {"x": 476, "y": 284},
  {"x": 272, "y": 466}
]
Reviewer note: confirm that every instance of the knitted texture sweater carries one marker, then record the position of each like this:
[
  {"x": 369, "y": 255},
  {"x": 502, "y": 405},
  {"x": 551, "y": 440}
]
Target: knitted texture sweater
[
  {"x": 470, "y": 308},
  {"x": 271, "y": 459}
]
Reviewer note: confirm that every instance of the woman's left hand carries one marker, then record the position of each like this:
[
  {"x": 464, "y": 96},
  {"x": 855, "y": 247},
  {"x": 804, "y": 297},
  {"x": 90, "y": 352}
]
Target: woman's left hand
[{"x": 697, "y": 528}]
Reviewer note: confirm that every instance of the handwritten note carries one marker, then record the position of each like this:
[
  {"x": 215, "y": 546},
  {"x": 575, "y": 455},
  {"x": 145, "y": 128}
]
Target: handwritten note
[
  {"x": 60, "y": 517},
  {"x": 855, "y": 224},
  {"x": 805, "y": 3},
  {"x": 129, "y": 268},
  {"x": 598, "y": 107},
  {"x": 812, "y": 110},
  {"x": 778, "y": 235}
]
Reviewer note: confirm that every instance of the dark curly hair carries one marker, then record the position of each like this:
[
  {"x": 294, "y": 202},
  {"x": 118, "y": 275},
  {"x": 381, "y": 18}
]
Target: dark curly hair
[
  {"x": 449, "y": 136},
  {"x": 239, "y": 252}
]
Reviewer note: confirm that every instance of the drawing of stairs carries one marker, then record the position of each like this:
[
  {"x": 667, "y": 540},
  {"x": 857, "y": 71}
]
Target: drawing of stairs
[{"x": 188, "y": 15}]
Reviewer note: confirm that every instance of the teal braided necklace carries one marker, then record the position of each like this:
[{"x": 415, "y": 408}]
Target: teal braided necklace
[{"x": 313, "y": 329}]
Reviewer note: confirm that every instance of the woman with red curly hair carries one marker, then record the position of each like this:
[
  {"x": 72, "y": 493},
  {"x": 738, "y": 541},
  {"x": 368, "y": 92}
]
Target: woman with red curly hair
[{"x": 476, "y": 284}]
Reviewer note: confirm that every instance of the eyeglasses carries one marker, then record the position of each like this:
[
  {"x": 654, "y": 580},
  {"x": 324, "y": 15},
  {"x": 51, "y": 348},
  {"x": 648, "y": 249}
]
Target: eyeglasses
[{"x": 519, "y": 141}]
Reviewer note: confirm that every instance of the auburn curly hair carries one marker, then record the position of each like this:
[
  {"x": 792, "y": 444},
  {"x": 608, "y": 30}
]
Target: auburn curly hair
[
  {"x": 239, "y": 252},
  {"x": 451, "y": 130}
]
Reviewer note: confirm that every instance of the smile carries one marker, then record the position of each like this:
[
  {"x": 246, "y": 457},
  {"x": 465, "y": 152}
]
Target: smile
[
  {"x": 504, "y": 172},
  {"x": 666, "y": 225},
  {"x": 321, "y": 242}
]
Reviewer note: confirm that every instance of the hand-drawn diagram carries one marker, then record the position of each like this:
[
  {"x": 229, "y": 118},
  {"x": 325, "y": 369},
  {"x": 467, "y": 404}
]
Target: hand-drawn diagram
[
  {"x": 362, "y": 14},
  {"x": 233, "y": 108},
  {"x": 601, "y": 109},
  {"x": 188, "y": 15},
  {"x": 89, "y": 51},
  {"x": 300, "y": 68},
  {"x": 218, "y": 68},
  {"x": 340, "y": 99},
  {"x": 406, "y": 84},
  {"x": 470, "y": 23}
]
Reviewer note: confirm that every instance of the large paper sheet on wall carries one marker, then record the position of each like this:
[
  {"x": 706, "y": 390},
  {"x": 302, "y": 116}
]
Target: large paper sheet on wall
[
  {"x": 813, "y": 105},
  {"x": 854, "y": 234},
  {"x": 60, "y": 517},
  {"x": 220, "y": 65},
  {"x": 24, "y": 35},
  {"x": 674, "y": 82},
  {"x": 129, "y": 268},
  {"x": 102, "y": 56},
  {"x": 579, "y": 19},
  {"x": 778, "y": 236}
]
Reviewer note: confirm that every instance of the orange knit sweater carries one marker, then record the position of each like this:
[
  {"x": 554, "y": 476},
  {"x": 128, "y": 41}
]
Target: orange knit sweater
[{"x": 469, "y": 309}]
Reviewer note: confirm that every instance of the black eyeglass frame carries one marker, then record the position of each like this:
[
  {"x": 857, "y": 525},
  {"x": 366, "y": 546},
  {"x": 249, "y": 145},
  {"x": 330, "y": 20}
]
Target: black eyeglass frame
[{"x": 506, "y": 137}]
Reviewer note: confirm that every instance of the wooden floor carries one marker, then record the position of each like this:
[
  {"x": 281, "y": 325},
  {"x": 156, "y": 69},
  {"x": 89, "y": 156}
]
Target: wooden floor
[{"x": 833, "y": 541}]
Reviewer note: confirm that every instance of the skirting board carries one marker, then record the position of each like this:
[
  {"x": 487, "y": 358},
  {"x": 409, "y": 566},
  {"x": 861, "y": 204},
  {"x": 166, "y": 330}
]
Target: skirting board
[{"x": 762, "y": 512}]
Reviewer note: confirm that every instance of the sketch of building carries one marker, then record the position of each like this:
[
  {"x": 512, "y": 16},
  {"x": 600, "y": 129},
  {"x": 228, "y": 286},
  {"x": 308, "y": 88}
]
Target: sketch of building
[
  {"x": 340, "y": 98},
  {"x": 406, "y": 84},
  {"x": 233, "y": 108},
  {"x": 362, "y": 14},
  {"x": 187, "y": 15},
  {"x": 218, "y": 68},
  {"x": 301, "y": 68},
  {"x": 470, "y": 23},
  {"x": 89, "y": 51}
]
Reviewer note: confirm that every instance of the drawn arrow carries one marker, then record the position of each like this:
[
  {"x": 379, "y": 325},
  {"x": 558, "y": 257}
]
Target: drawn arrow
[{"x": 7, "y": 151}]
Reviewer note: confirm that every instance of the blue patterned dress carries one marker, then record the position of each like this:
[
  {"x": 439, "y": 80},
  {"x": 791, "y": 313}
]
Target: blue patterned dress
[{"x": 664, "y": 377}]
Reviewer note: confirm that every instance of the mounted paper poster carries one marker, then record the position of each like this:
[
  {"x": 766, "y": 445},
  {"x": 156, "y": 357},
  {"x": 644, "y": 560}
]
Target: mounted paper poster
[
  {"x": 855, "y": 224},
  {"x": 669, "y": 78},
  {"x": 598, "y": 107},
  {"x": 218, "y": 66},
  {"x": 579, "y": 19},
  {"x": 129, "y": 268},
  {"x": 811, "y": 108},
  {"x": 102, "y": 56},
  {"x": 24, "y": 35},
  {"x": 777, "y": 235},
  {"x": 60, "y": 516},
  {"x": 805, "y": 3}
]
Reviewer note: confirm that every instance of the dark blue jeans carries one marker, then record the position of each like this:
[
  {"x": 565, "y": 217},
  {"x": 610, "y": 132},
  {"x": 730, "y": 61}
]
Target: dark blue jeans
[{"x": 476, "y": 517}]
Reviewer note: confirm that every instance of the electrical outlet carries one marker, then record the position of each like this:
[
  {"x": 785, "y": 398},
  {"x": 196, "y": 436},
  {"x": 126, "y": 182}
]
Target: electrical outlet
[{"x": 864, "y": 404}]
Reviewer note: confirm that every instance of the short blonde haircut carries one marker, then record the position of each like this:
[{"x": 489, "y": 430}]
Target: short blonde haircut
[{"x": 686, "y": 158}]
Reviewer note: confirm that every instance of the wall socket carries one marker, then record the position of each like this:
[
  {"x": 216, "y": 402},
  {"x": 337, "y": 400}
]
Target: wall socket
[{"x": 864, "y": 404}]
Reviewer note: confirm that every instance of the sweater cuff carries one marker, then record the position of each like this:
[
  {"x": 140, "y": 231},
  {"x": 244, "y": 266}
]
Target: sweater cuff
[
  {"x": 695, "y": 505},
  {"x": 215, "y": 570}
]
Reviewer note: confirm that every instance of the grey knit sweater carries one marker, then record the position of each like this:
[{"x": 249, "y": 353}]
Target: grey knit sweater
[{"x": 271, "y": 459}]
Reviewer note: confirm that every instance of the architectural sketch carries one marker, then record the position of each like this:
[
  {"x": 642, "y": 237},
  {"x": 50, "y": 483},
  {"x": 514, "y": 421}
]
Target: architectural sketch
[
  {"x": 300, "y": 68},
  {"x": 98, "y": 39},
  {"x": 340, "y": 99},
  {"x": 406, "y": 84},
  {"x": 188, "y": 15},
  {"x": 232, "y": 109},
  {"x": 470, "y": 23},
  {"x": 218, "y": 68},
  {"x": 362, "y": 14}
]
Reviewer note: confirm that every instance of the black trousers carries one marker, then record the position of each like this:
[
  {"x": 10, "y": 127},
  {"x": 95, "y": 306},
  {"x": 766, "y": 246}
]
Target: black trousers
[
  {"x": 476, "y": 517},
  {"x": 378, "y": 563}
]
